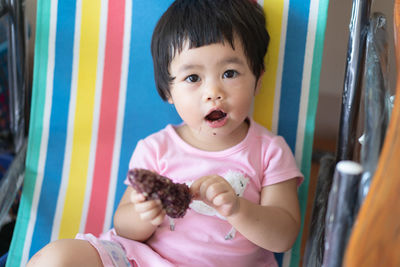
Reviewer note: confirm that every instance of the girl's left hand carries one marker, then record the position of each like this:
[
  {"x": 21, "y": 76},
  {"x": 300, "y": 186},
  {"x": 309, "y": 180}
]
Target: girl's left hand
[{"x": 216, "y": 192}]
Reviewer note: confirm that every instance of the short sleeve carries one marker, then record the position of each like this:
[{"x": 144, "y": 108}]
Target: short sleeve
[
  {"x": 279, "y": 163},
  {"x": 144, "y": 157}
]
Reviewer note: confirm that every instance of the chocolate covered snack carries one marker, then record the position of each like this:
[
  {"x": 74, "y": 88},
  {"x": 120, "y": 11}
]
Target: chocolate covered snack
[{"x": 175, "y": 197}]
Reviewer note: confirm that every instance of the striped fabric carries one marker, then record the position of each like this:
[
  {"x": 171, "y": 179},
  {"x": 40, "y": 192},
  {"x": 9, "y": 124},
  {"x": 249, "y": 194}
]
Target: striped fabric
[{"x": 94, "y": 97}]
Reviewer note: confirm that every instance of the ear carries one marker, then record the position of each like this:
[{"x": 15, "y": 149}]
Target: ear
[
  {"x": 259, "y": 83},
  {"x": 170, "y": 100}
]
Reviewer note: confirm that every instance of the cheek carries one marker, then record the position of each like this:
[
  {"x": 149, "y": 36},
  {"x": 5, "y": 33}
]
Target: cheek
[
  {"x": 243, "y": 101},
  {"x": 187, "y": 109}
]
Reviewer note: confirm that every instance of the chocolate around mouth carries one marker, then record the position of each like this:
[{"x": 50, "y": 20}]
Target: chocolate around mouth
[{"x": 215, "y": 115}]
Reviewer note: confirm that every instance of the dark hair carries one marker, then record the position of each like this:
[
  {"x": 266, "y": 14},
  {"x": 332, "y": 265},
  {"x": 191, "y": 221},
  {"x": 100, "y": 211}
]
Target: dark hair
[{"x": 204, "y": 22}]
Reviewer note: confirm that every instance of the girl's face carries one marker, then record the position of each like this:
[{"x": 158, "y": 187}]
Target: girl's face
[{"x": 213, "y": 90}]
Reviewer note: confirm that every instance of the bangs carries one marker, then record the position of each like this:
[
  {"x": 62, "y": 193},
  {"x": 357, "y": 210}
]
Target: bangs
[{"x": 196, "y": 27}]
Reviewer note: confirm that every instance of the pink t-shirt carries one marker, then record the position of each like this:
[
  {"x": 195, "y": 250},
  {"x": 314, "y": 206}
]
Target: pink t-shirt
[{"x": 261, "y": 159}]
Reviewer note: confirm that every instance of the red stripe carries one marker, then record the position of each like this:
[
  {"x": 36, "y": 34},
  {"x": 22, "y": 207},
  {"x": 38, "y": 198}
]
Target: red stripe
[{"x": 108, "y": 117}]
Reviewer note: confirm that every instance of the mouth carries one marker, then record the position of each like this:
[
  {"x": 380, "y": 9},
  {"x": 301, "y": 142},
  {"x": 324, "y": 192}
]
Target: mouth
[
  {"x": 215, "y": 115},
  {"x": 216, "y": 118}
]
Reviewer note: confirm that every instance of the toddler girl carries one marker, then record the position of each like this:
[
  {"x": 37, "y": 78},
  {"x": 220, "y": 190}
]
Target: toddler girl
[{"x": 208, "y": 62}]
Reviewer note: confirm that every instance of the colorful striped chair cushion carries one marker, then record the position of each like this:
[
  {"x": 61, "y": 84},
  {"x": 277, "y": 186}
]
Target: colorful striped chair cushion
[{"x": 94, "y": 97}]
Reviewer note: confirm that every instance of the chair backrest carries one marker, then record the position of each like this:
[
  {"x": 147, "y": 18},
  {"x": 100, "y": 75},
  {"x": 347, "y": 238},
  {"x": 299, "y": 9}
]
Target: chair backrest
[{"x": 94, "y": 97}]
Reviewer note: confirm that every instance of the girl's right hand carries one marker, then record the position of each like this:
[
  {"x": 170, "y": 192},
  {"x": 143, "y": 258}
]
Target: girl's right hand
[{"x": 148, "y": 210}]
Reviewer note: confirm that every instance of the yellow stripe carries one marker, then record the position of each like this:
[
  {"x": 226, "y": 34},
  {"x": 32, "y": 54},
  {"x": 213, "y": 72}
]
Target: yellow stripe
[
  {"x": 86, "y": 85},
  {"x": 264, "y": 102}
]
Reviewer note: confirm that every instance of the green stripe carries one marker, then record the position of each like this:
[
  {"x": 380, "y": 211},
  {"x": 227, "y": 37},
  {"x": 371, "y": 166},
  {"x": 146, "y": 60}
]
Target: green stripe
[
  {"x": 35, "y": 130},
  {"x": 310, "y": 123}
]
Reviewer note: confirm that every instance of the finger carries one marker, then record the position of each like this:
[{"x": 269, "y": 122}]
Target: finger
[
  {"x": 206, "y": 184},
  {"x": 137, "y": 197},
  {"x": 215, "y": 190},
  {"x": 158, "y": 219},
  {"x": 226, "y": 204},
  {"x": 195, "y": 187},
  {"x": 147, "y": 205},
  {"x": 151, "y": 214},
  {"x": 224, "y": 198}
]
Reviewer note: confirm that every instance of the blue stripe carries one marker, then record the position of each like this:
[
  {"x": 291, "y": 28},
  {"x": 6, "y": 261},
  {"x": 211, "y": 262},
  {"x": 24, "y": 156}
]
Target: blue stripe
[
  {"x": 292, "y": 74},
  {"x": 58, "y": 125},
  {"x": 145, "y": 112}
]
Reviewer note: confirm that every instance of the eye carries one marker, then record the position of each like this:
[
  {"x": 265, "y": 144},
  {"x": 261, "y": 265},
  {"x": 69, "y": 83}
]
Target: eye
[
  {"x": 229, "y": 74},
  {"x": 192, "y": 78}
]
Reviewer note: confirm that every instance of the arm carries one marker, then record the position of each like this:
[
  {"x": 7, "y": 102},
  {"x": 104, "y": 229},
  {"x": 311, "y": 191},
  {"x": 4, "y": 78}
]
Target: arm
[
  {"x": 136, "y": 218},
  {"x": 273, "y": 224}
]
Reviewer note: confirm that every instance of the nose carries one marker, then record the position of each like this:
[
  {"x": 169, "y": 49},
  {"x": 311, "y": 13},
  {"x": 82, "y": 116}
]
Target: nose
[{"x": 213, "y": 92}]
